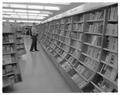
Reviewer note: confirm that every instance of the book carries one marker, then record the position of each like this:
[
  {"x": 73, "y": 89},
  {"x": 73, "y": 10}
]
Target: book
[
  {"x": 106, "y": 86},
  {"x": 7, "y": 27},
  {"x": 80, "y": 68},
  {"x": 112, "y": 43},
  {"x": 109, "y": 72},
  {"x": 7, "y": 59},
  {"x": 76, "y": 54},
  {"x": 112, "y": 29},
  {"x": 112, "y": 59},
  {"x": 96, "y": 15},
  {"x": 74, "y": 35},
  {"x": 77, "y": 18},
  {"x": 80, "y": 36},
  {"x": 93, "y": 52},
  {"x": 113, "y": 13},
  {"x": 78, "y": 27},
  {"x": 70, "y": 59},
  {"x": 87, "y": 73},
  {"x": 66, "y": 66},
  {"x": 71, "y": 50},
  {"x": 75, "y": 78},
  {"x": 9, "y": 68},
  {"x": 72, "y": 72},
  {"x": 8, "y": 48},
  {"x": 95, "y": 27}
]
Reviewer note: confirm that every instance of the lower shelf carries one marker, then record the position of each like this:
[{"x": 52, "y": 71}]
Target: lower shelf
[{"x": 67, "y": 78}]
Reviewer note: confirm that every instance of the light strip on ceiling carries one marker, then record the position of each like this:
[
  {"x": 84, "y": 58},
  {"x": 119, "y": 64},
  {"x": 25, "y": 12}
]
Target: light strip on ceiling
[
  {"x": 6, "y": 16},
  {"x": 28, "y": 21},
  {"x": 25, "y": 17},
  {"x": 30, "y": 12},
  {"x": 32, "y": 7},
  {"x": 65, "y": 2},
  {"x": 35, "y": 7},
  {"x": 5, "y": 5},
  {"x": 11, "y": 20},
  {"x": 33, "y": 14},
  {"x": 18, "y": 6},
  {"x": 43, "y": 7},
  {"x": 25, "y": 14},
  {"x": 51, "y": 8},
  {"x": 4, "y": 20},
  {"x": 8, "y": 13}
]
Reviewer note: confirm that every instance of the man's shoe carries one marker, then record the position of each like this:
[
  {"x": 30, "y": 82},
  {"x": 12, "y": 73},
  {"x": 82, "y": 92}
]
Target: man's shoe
[
  {"x": 36, "y": 50},
  {"x": 31, "y": 50}
]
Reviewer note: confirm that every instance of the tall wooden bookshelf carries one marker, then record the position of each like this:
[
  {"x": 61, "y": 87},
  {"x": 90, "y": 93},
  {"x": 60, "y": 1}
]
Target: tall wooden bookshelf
[
  {"x": 84, "y": 48},
  {"x": 11, "y": 69}
]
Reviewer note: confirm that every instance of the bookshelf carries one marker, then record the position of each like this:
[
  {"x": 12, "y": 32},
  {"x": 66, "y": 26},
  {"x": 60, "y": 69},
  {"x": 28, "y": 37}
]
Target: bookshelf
[
  {"x": 10, "y": 66},
  {"x": 20, "y": 47},
  {"x": 84, "y": 47}
]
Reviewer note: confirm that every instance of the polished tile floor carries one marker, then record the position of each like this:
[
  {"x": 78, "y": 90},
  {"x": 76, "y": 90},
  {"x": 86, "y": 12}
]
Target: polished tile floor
[{"x": 39, "y": 74}]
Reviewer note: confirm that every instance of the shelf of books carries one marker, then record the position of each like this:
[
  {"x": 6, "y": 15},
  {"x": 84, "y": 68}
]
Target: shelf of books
[
  {"x": 11, "y": 70},
  {"x": 20, "y": 47},
  {"x": 85, "y": 47}
]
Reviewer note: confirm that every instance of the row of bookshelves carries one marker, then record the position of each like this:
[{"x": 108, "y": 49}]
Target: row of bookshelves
[
  {"x": 87, "y": 44},
  {"x": 96, "y": 41},
  {"x": 66, "y": 59},
  {"x": 11, "y": 72},
  {"x": 88, "y": 50}
]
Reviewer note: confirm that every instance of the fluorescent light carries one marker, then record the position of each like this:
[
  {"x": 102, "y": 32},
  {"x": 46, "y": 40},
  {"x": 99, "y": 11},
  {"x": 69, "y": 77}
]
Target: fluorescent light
[
  {"x": 43, "y": 15},
  {"x": 11, "y": 20},
  {"x": 8, "y": 13},
  {"x": 4, "y": 20},
  {"x": 22, "y": 14},
  {"x": 51, "y": 8},
  {"x": 9, "y": 10},
  {"x": 34, "y": 17},
  {"x": 5, "y": 5},
  {"x": 18, "y": 6},
  {"x": 6, "y": 16},
  {"x": 35, "y": 7},
  {"x": 33, "y": 11},
  {"x": 28, "y": 21},
  {"x": 20, "y": 10},
  {"x": 62, "y": 3},
  {"x": 30, "y": 12},
  {"x": 43, "y": 7}
]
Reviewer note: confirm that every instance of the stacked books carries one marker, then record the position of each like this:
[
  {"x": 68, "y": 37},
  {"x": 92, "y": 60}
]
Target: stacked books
[
  {"x": 109, "y": 72},
  {"x": 96, "y": 15},
  {"x": 78, "y": 27},
  {"x": 91, "y": 63},
  {"x": 8, "y": 48},
  {"x": 93, "y": 52},
  {"x": 112, "y": 43},
  {"x": 95, "y": 28},
  {"x": 112, "y": 58},
  {"x": 112, "y": 29},
  {"x": 113, "y": 13}
]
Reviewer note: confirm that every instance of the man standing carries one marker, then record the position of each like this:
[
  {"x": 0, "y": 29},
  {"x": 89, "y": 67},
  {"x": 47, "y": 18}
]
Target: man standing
[{"x": 34, "y": 39}]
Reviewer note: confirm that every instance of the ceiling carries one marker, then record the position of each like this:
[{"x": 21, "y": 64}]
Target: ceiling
[{"x": 30, "y": 12}]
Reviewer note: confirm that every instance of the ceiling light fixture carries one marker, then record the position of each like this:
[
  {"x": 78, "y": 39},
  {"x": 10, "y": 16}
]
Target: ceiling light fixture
[
  {"x": 18, "y": 6},
  {"x": 51, "y": 8},
  {"x": 11, "y": 20},
  {"x": 30, "y": 21}
]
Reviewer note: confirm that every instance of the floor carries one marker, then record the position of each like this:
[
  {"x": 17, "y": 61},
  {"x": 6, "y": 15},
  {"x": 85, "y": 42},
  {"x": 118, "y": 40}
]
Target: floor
[{"x": 39, "y": 74}]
